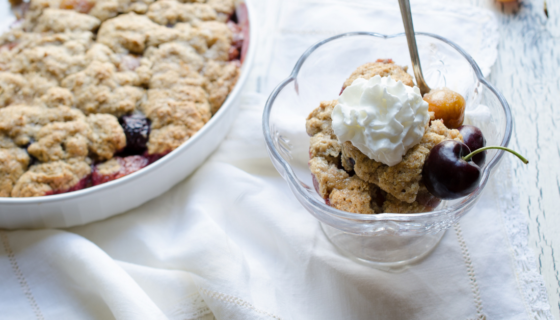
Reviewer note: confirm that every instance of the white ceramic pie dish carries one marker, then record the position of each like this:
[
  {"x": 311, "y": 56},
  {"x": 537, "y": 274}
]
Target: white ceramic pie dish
[{"x": 111, "y": 198}]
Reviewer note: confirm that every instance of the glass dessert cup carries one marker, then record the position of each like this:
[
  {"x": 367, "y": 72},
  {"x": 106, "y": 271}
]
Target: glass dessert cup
[{"x": 386, "y": 240}]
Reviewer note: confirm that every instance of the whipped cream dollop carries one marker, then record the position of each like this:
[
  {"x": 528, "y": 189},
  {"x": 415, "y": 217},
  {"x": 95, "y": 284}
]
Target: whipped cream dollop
[{"x": 381, "y": 117}]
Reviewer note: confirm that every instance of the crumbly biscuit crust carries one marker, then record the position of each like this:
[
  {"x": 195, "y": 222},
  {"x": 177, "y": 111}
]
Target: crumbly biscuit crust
[
  {"x": 167, "y": 12},
  {"x": 57, "y": 20},
  {"x": 127, "y": 33},
  {"x": 383, "y": 69},
  {"x": 22, "y": 123},
  {"x": 61, "y": 141},
  {"x": 51, "y": 177},
  {"x": 222, "y": 77},
  {"x": 352, "y": 182},
  {"x": 53, "y": 56},
  {"x": 402, "y": 180},
  {"x": 13, "y": 163},
  {"x": 97, "y": 90},
  {"x": 75, "y": 66},
  {"x": 107, "y": 136}
]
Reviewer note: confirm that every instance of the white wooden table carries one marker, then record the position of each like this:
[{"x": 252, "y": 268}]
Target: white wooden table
[{"x": 526, "y": 72}]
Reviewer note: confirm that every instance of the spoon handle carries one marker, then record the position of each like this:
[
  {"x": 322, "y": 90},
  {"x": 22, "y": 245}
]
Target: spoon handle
[{"x": 412, "y": 48}]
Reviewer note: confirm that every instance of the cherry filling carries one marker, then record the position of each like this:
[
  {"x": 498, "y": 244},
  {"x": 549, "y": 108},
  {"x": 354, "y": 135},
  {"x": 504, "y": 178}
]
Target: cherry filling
[
  {"x": 136, "y": 128},
  {"x": 82, "y": 184},
  {"x": 129, "y": 62},
  {"x": 377, "y": 198},
  {"x": 82, "y": 6},
  {"x": 126, "y": 166},
  {"x": 239, "y": 25},
  {"x": 154, "y": 157},
  {"x": 316, "y": 186},
  {"x": 8, "y": 46},
  {"x": 427, "y": 199},
  {"x": 237, "y": 40},
  {"x": 385, "y": 60},
  {"x": 315, "y": 183}
]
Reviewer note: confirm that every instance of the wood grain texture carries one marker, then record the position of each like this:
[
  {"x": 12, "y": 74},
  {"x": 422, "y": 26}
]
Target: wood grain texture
[{"x": 527, "y": 73}]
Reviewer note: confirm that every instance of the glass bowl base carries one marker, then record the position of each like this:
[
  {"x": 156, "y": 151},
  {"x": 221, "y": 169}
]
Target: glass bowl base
[{"x": 383, "y": 251}]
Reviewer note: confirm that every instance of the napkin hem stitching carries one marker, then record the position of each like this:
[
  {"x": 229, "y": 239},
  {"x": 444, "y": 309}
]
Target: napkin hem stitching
[
  {"x": 470, "y": 271},
  {"x": 238, "y": 301},
  {"x": 20, "y": 277}
]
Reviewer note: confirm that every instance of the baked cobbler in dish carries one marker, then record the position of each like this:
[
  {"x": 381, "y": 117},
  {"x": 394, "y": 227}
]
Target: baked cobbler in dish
[{"x": 93, "y": 90}]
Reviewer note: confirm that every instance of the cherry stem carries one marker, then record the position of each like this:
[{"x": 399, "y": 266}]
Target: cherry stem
[{"x": 477, "y": 151}]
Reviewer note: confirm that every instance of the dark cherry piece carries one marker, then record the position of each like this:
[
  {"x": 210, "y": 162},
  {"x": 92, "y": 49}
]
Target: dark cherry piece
[
  {"x": 378, "y": 197},
  {"x": 137, "y": 130},
  {"x": 473, "y": 138},
  {"x": 446, "y": 175},
  {"x": 233, "y": 17}
]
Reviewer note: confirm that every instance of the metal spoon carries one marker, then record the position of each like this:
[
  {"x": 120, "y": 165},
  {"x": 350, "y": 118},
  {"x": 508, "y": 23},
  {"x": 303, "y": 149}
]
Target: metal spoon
[{"x": 412, "y": 48}]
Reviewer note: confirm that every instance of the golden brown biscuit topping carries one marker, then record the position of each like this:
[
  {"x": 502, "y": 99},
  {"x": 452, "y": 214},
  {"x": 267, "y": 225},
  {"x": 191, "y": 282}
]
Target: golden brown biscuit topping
[
  {"x": 75, "y": 70},
  {"x": 350, "y": 181}
]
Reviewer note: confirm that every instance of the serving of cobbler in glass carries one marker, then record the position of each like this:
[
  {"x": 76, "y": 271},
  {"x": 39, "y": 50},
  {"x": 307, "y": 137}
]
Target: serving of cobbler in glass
[
  {"x": 93, "y": 90},
  {"x": 383, "y": 169},
  {"x": 383, "y": 148},
  {"x": 351, "y": 181}
]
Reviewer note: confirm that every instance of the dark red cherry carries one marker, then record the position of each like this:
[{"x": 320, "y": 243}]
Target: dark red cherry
[
  {"x": 473, "y": 138},
  {"x": 449, "y": 173},
  {"x": 137, "y": 130},
  {"x": 446, "y": 175}
]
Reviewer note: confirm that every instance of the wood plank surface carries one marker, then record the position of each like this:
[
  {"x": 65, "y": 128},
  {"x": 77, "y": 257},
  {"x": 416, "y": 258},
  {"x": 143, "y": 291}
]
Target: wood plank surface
[{"x": 527, "y": 73}]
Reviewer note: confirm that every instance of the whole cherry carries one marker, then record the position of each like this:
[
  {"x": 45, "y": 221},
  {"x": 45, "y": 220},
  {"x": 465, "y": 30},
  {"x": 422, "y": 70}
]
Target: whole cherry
[
  {"x": 449, "y": 173},
  {"x": 446, "y": 105},
  {"x": 446, "y": 175},
  {"x": 473, "y": 138}
]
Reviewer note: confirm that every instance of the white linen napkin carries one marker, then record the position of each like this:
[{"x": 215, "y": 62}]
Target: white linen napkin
[{"x": 232, "y": 242}]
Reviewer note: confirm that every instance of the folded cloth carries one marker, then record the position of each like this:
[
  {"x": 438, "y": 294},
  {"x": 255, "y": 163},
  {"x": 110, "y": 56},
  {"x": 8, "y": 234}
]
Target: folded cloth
[{"x": 232, "y": 242}]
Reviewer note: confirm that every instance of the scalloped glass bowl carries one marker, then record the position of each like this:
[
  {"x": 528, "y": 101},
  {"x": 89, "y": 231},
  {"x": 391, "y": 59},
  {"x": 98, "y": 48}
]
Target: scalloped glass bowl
[{"x": 389, "y": 239}]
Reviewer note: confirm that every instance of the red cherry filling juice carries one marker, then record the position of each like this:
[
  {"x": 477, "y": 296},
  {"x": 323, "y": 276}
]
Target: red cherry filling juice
[
  {"x": 82, "y": 184},
  {"x": 125, "y": 166},
  {"x": 239, "y": 25}
]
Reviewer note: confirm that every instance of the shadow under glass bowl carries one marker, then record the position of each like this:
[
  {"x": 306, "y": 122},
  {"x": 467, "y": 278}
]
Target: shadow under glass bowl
[{"x": 387, "y": 239}]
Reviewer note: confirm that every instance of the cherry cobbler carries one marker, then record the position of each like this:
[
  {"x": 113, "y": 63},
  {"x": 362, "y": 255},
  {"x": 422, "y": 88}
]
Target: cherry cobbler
[
  {"x": 93, "y": 90},
  {"x": 347, "y": 178}
]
